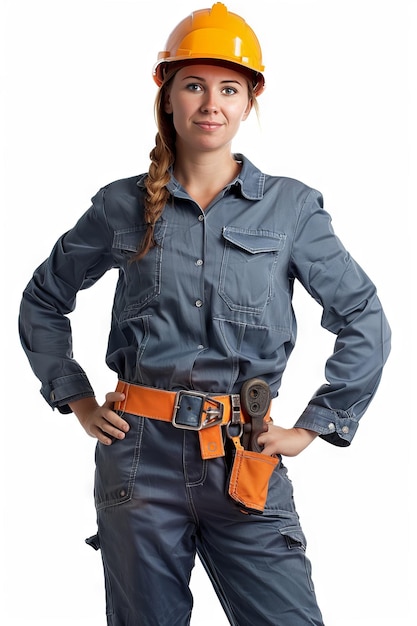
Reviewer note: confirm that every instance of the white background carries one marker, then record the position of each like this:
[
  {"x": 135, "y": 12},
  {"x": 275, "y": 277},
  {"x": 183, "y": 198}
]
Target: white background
[{"x": 337, "y": 113}]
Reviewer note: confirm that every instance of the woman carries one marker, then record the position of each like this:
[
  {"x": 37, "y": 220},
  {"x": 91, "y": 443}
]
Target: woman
[{"x": 207, "y": 248}]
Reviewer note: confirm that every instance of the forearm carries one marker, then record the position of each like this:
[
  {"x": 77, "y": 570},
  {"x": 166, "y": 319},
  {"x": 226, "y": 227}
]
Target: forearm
[{"x": 83, "y": 407}]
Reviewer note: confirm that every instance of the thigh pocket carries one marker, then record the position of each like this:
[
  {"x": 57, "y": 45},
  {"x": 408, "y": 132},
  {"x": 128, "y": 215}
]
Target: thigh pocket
[
  {"x": 294, "y": 537},
  {"x": 117, "y": 465},
  {"x": 297, "y": 544}
]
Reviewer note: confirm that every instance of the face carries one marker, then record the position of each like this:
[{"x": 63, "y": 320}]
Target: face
[{"x": 208, "y": 103}]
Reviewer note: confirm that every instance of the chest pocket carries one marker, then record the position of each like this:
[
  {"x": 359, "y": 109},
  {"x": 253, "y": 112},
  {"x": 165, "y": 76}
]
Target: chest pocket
[
  {"x": 247, "y": 269},
  {"x": 142, "y": 279}
]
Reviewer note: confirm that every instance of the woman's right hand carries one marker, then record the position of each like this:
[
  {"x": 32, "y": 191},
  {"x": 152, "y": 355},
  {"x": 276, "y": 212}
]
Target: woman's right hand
[{"x": 100, "y": 421}]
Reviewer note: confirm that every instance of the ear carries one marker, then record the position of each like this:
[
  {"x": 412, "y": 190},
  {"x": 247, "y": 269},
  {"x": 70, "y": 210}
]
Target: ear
[
  {"x": 247, "y": 110},
  {"x": 167, "y": 103}
]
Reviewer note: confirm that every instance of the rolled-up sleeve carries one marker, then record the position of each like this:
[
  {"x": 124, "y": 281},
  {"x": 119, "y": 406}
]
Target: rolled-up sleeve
[
  {"x": 353, "y": 312},
  {"x": 79, "y": 258}
]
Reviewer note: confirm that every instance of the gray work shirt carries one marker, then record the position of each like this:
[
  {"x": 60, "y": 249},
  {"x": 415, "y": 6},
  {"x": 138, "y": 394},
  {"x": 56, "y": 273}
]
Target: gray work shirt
[{"x": 210, "y": 306}]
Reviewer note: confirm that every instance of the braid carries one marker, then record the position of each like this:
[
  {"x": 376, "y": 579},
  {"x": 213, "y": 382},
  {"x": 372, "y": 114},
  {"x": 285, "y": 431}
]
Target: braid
[{"x": 162, "y": 157}]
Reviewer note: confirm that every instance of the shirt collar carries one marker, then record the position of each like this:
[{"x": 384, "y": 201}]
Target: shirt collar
[{"x": 250, "y": 179}]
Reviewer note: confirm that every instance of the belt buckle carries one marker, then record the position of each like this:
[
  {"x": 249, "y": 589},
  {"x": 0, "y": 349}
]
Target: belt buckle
[{"x": 192, "y": 413}]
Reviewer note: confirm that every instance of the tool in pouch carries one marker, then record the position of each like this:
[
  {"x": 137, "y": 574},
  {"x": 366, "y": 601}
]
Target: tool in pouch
[{"x": 251, "y": 470}]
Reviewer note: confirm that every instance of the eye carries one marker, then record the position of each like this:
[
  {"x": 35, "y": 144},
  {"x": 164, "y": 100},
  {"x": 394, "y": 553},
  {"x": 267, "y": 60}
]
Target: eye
[
  {"x": 196, "y": 87},
  {"x": 229, "y": 91}
]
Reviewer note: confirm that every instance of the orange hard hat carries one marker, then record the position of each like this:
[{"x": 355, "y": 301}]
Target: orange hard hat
[{"x": 216, "y": 34}]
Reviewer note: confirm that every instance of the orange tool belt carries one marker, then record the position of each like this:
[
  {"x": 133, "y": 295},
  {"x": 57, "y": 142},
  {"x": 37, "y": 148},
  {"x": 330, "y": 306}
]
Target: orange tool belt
[
  {"x": 205, "y": 413},
  {"x": 168, "y": 406}
]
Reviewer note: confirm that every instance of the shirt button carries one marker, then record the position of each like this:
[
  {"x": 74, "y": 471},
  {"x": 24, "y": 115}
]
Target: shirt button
[
  {"x": 198, "y": 303},
  {"x": 331, "y": 426},
  {"x": 345, "y": 430},
  {"x": 200, "y": 218},
  {"x": 200, "y": 347},
  {"x": 199, "y": 262}
]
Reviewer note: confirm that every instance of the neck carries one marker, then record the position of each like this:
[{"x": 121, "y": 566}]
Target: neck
[{"x": 207, "y": 171}]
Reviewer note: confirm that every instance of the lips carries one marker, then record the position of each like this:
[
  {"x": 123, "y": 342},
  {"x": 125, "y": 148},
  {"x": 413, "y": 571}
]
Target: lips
[{"x": 207, "y": 125}]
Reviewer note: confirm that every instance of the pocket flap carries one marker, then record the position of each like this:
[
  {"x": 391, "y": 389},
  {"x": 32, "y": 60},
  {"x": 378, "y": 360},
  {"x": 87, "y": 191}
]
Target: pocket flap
[{"x": 255, "y": 241}]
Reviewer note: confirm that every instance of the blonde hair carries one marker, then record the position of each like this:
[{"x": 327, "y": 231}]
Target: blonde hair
[{"x": 162, "y": 157}]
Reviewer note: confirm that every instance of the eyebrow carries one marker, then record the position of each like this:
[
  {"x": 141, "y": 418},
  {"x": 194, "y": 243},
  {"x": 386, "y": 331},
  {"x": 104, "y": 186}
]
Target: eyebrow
[{"x": 200, "y": 78}]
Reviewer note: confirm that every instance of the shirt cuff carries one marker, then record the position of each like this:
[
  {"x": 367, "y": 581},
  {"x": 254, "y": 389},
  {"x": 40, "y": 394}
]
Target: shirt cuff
[
  {"x": 59, "y": 392},
  {"x": 336, "y": 427}
]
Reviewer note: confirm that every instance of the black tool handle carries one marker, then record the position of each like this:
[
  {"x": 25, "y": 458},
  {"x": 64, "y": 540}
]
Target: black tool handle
[{"x": 255, "y": 398}]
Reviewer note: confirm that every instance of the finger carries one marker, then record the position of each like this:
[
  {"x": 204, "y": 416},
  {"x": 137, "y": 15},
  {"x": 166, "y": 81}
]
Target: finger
[
  {"x": 268, "y": 445},
  {"x": 114, "y": 396},
  {"x": 109, "y": 429},
  {"x": 262, "y": 439},
  {"x": 101, "y": 436},
  {"x": 106, "y": 433},
  {"x": 113, "y": 424},
  {"x": 269, "y": 450},
  {"x": 111, "y": 416},
  {"x": 115, "y": 420}
]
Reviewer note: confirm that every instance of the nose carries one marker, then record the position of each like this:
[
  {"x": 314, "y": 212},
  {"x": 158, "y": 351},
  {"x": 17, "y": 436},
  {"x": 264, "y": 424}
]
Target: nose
[{"x": 209, "y": 104}]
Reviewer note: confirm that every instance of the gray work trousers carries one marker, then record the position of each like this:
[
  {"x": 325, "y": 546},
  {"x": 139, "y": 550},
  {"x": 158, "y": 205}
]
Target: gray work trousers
[{"x": 159, "y": 504}]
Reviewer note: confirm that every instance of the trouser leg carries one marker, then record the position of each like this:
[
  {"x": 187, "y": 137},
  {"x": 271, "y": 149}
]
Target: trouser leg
[
  {"x": 253, "y": 593},
  {"x": 147, "y": 578},
  {"x": 145, "y": 526},
  {"x": 257, "y": 563}
]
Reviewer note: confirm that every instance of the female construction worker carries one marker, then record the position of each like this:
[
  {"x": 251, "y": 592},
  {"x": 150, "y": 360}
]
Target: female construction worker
[{"x": 207, "y": 248}]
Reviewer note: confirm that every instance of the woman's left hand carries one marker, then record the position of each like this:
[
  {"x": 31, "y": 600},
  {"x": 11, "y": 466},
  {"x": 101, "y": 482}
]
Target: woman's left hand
[{"x": 285, "y": 441}]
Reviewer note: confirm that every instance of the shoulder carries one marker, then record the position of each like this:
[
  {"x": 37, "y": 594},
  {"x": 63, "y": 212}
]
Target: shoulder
[
  {"x": 122, "y": 188},
  {"x": 290, "y": 196},
  {"x": 258, "y": 185},
  {"x": 290, "y": 189},
  {"x": 121, "y": 200}
]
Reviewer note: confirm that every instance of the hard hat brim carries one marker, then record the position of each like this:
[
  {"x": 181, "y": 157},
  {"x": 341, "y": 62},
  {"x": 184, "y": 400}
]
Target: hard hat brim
[{"x": 161, "y": 66}]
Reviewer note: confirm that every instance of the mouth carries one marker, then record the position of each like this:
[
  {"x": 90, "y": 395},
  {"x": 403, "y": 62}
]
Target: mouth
[{"x": 208, "y": 126}]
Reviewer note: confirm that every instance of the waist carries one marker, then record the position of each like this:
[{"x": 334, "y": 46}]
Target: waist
[{"x": 185, "y": 409}]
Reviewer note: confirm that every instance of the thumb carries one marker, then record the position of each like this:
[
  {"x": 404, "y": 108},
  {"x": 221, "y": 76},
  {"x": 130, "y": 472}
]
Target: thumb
[{"x": 112, "y": 397}]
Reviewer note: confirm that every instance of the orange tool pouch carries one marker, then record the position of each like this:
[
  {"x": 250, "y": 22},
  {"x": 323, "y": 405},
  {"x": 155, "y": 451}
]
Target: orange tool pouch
[{"x": 249, "y": 477}]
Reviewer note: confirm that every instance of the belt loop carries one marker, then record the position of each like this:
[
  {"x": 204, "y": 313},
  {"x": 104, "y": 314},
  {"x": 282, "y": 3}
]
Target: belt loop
[{"x": 236, "y": 415}]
